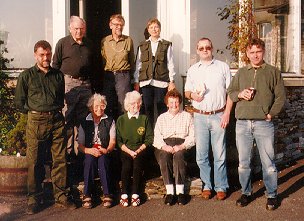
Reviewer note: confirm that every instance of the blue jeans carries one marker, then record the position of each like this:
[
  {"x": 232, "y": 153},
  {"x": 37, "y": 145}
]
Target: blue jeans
[
  {"x": 208, "y": 131},
  {"x": 263, "y": 133}
]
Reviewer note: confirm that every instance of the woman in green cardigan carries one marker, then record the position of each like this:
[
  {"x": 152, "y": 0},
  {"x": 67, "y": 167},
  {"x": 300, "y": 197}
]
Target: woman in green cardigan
[{"x": 134, "y": 135}]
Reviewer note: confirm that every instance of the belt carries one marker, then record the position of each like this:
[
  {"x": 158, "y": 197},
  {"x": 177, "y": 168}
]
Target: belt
[
  {"x": 45, "y": 112},
  {"x": 118, "y": 72},
  {"x": 81, "y": 78},
  {"x": 208, "y": 112}
]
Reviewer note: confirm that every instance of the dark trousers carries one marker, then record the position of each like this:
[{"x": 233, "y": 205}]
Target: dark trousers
[
  {"x": 115, "y": 87},
  {"x": 149, "y": 94},
  {"x": 91, "y": 164},
  {"x": 172, "y": 166},
  {"x": 131, "y": 168},
  {"x": 41, "y": 129}
]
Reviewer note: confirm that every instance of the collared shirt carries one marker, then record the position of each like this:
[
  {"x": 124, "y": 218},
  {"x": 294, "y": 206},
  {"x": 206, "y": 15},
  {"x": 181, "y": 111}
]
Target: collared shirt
[
  {"x": 133, "y": 115},
  {"x": 216, "y": 76},
  {"x": 174, "y": 126},
  {"x": 72, "y": 58},
  {"x": 39, "y": 91},
  {"x": 154, "y": 82},
  {"x": 81, "y": 133},
  {"x": 118, "y": 55}
]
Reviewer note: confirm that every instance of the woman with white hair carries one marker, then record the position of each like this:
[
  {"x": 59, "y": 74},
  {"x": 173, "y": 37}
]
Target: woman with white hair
[
  {"x": 134, "y": 135},
  {"x": 97, "y": 138}
]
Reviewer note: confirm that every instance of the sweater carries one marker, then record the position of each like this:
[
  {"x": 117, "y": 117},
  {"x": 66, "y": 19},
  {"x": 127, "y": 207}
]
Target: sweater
[
  {"x": 270, "y": 92},
  {"x": 133, "y": 132}
]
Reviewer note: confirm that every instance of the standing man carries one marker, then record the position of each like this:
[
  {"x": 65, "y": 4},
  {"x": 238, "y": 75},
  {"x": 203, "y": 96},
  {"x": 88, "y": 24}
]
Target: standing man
[
  {"x": 259, "y": 92},
  {"x": 206, "y": 85},
  {"x": 40, "y": 93},
  {"x": 74, "y": 57},
  {"x": 117, "y": 52}
]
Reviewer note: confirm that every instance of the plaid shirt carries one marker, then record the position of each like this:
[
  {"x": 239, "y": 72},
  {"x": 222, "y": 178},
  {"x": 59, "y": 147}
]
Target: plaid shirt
[{"x": 178, "y": 126}]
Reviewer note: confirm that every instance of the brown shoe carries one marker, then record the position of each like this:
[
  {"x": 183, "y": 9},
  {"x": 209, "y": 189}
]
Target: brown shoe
[
  {"x": 220, "y": 195},
  {"x": 206, "y": 194}
]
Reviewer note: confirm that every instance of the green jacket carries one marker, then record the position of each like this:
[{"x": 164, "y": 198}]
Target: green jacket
[
  {"x": 158, "y": 69},
  {"x": 270, "y": 92}
]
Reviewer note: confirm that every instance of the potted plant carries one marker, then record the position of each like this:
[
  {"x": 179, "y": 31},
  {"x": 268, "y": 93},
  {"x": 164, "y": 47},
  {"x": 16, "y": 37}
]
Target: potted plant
[{"x": 13, "y": 169}]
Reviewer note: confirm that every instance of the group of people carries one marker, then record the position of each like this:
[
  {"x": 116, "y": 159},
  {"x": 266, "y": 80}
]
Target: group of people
[{"x": 62, "y": 109}]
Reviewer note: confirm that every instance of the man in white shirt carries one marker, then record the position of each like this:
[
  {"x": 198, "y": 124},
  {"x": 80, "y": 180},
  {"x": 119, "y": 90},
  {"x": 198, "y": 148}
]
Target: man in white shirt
[{"x": 206, "y": 85}]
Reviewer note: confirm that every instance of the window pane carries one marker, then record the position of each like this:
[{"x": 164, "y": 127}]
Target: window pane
[
  {"x": 273, "y": 17},
  {"x": 206, "y": 23},
  {"x": 24, "y": 23}
]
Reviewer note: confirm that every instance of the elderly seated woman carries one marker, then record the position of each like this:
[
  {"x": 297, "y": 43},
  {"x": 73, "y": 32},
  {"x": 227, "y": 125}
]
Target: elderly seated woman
[
  {"x": 134, "y": 135},
  {"x": 173, "y": 136},
  {"x": 97, "y": 138}
]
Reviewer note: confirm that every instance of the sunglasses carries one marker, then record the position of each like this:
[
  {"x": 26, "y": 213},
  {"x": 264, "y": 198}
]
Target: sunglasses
[{"x": 207, "y": 48}]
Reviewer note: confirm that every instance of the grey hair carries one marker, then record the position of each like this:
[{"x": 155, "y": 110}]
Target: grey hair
[
  {"x": 131, "y": 97},
  {"x": 75, "y": 18},
  {"x": 96, "y": 97}
]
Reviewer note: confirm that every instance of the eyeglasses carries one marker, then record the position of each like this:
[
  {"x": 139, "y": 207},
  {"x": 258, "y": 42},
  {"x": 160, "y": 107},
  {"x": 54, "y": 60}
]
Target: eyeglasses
[
  {"x": 207, "y": 48},
  {"x": 117, "y": 24}
]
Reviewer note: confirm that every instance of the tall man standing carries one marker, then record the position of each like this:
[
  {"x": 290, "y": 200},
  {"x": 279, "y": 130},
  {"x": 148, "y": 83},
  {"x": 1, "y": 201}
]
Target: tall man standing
[
  {"x": 40, "y": 93},
  {"x": 74, "y": 57},
  {"x": 117, "y": 52},
  {"x": 259, "y": 92},
  {"x": 206, "y": 85}
]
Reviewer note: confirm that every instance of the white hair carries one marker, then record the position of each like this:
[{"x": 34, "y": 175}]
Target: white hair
[{"x": 131, "y": 97}]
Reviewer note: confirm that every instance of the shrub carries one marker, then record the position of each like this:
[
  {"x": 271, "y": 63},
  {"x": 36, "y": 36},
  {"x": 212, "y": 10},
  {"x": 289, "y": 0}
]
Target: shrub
[{"x": 9, "y": 117}]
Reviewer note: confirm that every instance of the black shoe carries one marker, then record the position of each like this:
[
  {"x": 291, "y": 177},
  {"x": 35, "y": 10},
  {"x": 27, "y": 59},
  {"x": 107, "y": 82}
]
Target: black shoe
[
  {"x": 244, "y": 200},
  {"x": 32, "y": 209},
  {"x": 181, "y": 199},
  {"x": 169, "y": 199},
  {"x": 66, "y": 205},
  {"x": 272, "y": 203}
]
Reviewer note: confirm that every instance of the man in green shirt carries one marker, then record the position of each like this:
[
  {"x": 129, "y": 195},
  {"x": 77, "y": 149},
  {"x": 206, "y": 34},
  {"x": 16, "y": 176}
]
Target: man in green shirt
[
  {"x": 259, "y": 93},
  {"x": 40, "y": 94},
  {"x": 117, "y": 52}
]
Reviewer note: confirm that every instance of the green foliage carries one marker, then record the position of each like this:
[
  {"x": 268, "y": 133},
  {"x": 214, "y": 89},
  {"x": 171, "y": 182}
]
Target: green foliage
[
  {"x": 8, "y": 115},
  {"x": 242, "y": 27},
  {"x": 15, "y": 139}
]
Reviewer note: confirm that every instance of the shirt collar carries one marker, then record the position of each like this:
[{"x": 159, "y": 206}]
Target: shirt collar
[
  {"x": 200, "y": 63},
  {"x": 133, "y": 115},
  {"x": 72, "y": 41},
  {"x": 90, "y": 117},
  {"x": 122, "y": 38},
  {"x": 158, "y": 40},
  {"x": 171, "y": 116},
  {"x": 249, "y": 66},
  {"x": 38, "y": 69}
]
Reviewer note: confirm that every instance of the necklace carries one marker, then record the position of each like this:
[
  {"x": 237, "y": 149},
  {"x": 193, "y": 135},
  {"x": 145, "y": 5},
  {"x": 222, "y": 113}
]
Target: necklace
[{"x": 114, "y": 48}]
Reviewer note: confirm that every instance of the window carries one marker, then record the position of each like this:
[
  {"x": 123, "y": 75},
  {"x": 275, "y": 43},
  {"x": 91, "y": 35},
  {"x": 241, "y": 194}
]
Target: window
[
  {"x": 22, "y": 24},
  {"x": 204, "y": 22},
  {"x": 273, "y": 18}
]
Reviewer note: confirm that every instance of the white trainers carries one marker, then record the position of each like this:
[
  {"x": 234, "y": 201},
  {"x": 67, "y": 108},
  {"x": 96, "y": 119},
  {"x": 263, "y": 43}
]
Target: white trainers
[
  {"x": 135, "y": 200},
  {"x": 124, "y": 202}
]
